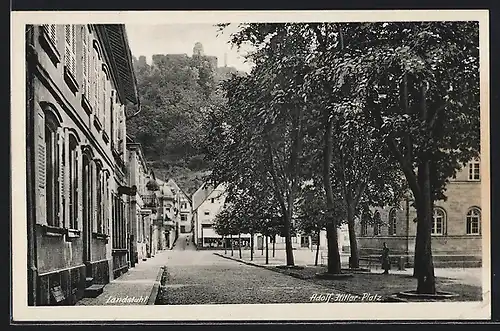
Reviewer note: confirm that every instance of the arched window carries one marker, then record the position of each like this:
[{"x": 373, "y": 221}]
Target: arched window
[
  {"x": 376, "y": 223},
  {"x": 392, "y": 222},
  {"x": 473, "y": 221},
  {"x": 438, "y": 222},
  {"x": 53, "y": 167}
]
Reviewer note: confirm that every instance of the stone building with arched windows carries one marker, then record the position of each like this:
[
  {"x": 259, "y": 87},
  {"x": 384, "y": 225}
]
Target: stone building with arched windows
[
  {"x": 79, "y": 80},
  {"x": 456, "y": 225}
]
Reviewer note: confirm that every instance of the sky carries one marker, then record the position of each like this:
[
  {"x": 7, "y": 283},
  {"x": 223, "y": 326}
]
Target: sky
[{"x": 180, "y": 38}]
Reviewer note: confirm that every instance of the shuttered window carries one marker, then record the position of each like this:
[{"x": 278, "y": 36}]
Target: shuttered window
[
  {"x": 70, "y": 48},
  {"x": 99, "y": 202},
  {"x": 86, "y": 63},
  {"x": 52, "y": 170},
  {"x": 96, "y": 79},
  {"x": 41, "y": 167},
  {"x": 103, "y": 98},
  {"x": 51, "y": 31}
]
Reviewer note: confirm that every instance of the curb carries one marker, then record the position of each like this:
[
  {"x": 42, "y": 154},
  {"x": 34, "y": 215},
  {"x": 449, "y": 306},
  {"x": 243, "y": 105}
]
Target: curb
[
  {"x": 156, "y": 287},
  {"x": 242, "y": 261}
]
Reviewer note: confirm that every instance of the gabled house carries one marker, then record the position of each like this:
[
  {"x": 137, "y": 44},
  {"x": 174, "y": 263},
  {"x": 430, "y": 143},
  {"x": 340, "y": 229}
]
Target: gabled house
[{"x": 207, "y": 202}]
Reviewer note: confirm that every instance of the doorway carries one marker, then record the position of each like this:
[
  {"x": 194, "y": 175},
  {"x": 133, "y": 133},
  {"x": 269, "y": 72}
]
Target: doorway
[{"x": 87, "y": 203}]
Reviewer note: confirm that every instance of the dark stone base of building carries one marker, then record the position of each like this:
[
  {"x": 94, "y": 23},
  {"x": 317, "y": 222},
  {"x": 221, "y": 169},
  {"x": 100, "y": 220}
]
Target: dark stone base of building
[
  {"x": 66, "y": 287},
  {"x": 63, "y": 287}
]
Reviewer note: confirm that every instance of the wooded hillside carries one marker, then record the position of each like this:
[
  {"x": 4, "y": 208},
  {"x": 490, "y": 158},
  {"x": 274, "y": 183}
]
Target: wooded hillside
[{"x": 176, "y": 92}]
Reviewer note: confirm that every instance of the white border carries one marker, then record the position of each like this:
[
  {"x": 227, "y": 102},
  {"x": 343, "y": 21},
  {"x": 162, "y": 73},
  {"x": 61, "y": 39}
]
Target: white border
[{"x": 339, "y": 311}]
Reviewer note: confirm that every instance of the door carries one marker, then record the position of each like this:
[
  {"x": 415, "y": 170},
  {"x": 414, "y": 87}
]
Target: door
[{"x": 183, "y": 229}]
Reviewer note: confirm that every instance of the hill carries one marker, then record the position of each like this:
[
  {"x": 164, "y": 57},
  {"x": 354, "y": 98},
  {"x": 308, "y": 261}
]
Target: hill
[{"x": 176, "y": 92}]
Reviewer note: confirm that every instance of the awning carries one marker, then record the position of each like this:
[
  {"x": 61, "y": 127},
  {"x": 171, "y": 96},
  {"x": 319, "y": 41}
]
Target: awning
[{"x": 209, "y": 233}]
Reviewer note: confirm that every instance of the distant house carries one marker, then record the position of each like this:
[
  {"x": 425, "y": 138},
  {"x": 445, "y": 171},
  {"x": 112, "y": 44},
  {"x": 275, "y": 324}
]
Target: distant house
[
  {"x": 208, "y": 201},
  {"x": 168, "y": 211}
]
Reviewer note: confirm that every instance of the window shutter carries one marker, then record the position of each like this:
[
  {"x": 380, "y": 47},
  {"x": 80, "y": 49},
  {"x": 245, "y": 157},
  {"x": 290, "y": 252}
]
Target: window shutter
[
  {"x": 85, "y": 55},
  {"x": 73, "y": 50},
  {"x": 103, "y": 99},
  {"x": 70, "y": 48},
  {"x": 40, "y": 168},
  {"x": 61, "y": 158},
  {"x": 94, "y": 196},
  {"x": 66, "y": 194},
  {"x": 51, "y": 30},
  {"x": 96, "y": 86},
  {"x": 79, "y": 188}
]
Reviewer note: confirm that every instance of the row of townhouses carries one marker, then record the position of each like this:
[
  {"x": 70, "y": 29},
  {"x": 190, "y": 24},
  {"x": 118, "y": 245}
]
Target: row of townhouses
[
  {"x": 95, "y": 209},
  {"x": 456, "y": 227}
]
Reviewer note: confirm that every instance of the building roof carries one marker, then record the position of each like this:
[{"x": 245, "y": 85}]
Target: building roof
[
  {"x": 203, "y": 193},
  {"x": 115, "y": 41}
]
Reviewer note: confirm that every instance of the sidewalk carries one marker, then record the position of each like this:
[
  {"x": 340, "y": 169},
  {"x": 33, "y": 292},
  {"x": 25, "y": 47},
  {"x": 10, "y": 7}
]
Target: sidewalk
[{"x": 139, "y": 286}]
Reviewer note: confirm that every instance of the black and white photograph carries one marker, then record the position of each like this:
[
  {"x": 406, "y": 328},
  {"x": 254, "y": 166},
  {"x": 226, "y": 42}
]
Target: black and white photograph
[{"x": 221, "y": 166}]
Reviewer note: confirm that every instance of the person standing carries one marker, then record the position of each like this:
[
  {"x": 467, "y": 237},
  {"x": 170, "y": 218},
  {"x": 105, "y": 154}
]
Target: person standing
[{"x": 386, "y": 263}]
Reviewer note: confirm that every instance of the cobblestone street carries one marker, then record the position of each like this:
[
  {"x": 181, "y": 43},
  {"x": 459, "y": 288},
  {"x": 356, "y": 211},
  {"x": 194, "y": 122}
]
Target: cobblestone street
[{"x": 200, "y": 277}]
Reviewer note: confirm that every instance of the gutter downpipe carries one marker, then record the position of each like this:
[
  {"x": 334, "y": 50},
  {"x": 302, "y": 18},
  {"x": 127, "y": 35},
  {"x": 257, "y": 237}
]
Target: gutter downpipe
[{"x": 31, "y": 60}]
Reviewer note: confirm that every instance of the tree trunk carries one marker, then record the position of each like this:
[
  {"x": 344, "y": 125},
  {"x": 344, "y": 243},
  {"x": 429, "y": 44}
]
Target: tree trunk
[
  {"x": 423, "y": 251},
  {"x": 331, "y": 225},
  {"x": 274, "y": 245},
  {"x": 288, "y": 242},
  {"x": 267, "y": 250},
  {"x": 354, "y": 260},
  {"x": 232, "y": 250},
  {"x": 239, "y": 244},
  {"x": 224, "y": 242},
  {"x": 251, "y": 247},
  {"x": 424, "y": 266},
  {"x": 317, "y": 248}
]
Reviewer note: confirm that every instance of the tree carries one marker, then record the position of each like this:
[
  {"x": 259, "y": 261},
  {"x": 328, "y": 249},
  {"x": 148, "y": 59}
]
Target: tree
[{"x": 419, "y": 85}]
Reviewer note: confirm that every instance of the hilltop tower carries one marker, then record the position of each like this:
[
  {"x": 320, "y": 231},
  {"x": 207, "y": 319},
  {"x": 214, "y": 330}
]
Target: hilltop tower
[{"x": 198, "y": 49}]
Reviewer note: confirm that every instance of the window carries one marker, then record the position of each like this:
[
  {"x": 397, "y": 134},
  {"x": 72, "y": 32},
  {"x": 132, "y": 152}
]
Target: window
[
  {"x": 183, "y": 205},
  {"x": 99, "y": 202},
  {"x": 473, "y": 221},
  {"x": 119, "y": 226},
  {"x": 212, "y": 200},
  {"x": 376, "y": 223},
  {"x": 107, "y": 203},
  {"x": 96, "y": 85},
  {"x": 70, "y": 49},
  {"x": 86, "y": 68},
  {"x": 103, "y": 97},
  {"x": 207, "y": 212},
  {"x": 52, "y": 169},
  {"x": 73, "y": 182},
  {"x": 438, "y": 222},
  {"x": 474, "y": 170},
  {"x": 392, "y": 222},
  {"x": 51, "y": 31},
  {"x": 183, "y": 217}
]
